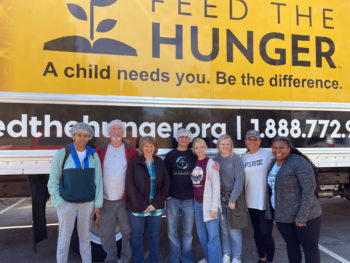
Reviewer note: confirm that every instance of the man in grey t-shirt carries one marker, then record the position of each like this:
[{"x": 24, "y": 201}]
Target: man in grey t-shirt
[{"x": 114, "y": 159}]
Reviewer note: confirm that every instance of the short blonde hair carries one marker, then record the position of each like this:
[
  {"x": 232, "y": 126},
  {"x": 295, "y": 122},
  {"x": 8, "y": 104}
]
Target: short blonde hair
[
  {"x": 147, "y": 139},
  {"x": 222, "y": 138},
  {"x": 200, "y": 141}
]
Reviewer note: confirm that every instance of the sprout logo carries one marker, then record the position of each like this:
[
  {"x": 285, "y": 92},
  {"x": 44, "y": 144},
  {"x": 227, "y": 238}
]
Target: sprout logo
[{"x": 83, "y": 45}]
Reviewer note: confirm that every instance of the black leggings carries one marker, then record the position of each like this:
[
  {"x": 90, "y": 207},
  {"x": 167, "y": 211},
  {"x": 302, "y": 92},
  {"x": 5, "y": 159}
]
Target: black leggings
[
  {"x": 264, "y": 242},
  {"x": 307, "y": 237}
]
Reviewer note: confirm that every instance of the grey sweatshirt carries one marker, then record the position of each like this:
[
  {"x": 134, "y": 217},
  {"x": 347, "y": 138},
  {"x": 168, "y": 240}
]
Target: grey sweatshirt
[
  {"x": 231, "y": 174},
  {"x": 295, "y": 185}
]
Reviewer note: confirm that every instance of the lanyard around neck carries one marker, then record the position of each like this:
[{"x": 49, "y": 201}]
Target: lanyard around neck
[{"x": 81, "y": 161}]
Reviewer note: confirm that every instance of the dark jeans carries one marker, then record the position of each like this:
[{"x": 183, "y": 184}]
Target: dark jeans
[
  {"x": 264, "y": 242},
  {"x": 138, "y": 225},
  {"x": 307, "y": 237}
]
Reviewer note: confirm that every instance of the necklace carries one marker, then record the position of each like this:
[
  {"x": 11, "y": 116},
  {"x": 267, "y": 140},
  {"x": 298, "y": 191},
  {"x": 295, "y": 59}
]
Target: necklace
[{"x": 115, "y": 151}]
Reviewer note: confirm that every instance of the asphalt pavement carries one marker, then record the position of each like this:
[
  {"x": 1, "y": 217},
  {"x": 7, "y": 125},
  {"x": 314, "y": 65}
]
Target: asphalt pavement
[{"x": 16, "y": 235}]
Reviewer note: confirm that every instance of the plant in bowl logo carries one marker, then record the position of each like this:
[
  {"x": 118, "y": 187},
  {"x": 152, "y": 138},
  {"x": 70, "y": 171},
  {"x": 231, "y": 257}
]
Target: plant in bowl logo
[{"x": 83, "y": 45}]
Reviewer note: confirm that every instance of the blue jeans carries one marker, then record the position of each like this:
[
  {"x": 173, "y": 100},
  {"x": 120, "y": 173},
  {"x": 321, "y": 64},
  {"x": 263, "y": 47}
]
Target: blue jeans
[
  {"x": 208, "y": 234},
  {"x": 175, "y": 207},
  {"x": 231, "y": 239},
  {"x": 138, "y": 225}
]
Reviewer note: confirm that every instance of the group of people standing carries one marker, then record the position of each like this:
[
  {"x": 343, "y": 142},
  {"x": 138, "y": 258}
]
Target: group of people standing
[{"x": 116, "y": 183}]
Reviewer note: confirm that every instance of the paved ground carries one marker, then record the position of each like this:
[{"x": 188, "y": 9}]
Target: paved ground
[{"x": 16, "y": 235}]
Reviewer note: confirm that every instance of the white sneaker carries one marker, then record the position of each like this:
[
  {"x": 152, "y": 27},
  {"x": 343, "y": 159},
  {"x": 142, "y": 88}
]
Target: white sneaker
[
  {"x": 226, "y": 258},
  {"x": 236, "y": 260},
  {"x": 203, "y": 260}
]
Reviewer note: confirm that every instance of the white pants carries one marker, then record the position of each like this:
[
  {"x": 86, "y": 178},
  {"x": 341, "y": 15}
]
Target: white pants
[{"x": 66, "y": 219}]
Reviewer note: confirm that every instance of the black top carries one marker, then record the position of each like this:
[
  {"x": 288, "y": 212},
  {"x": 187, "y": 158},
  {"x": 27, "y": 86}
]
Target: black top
[
  {"x": 138, "y": 185},
  {"x": 180, "y": 165}
]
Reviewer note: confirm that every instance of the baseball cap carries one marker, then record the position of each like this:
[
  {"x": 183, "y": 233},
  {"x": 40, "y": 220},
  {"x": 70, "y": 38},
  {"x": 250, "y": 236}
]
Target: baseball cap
[{"x": 252, "y": 133}]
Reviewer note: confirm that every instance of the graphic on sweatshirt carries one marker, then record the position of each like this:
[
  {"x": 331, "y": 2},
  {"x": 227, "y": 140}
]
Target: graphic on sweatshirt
[
  {"x": 197, "y": 175},
  {"x": 254, "y": 163},
  {"x": 182, "y": 163}
]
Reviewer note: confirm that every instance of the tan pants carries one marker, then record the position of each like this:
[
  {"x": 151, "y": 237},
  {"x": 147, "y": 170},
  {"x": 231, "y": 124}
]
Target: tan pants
[{"x": 66, "y": 219}]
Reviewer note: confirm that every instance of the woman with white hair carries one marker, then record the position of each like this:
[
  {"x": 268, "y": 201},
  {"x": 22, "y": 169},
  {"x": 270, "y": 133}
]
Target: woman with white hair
[{"x": 75, "y": 186}]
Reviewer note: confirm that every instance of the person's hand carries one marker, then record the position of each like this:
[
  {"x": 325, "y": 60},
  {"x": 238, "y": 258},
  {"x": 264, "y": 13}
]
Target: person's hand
[
  {"x": 213, "y": 214},
  {"x": 231, "y": 205},
  {"x": 96, "y": 215},
  {"x": 168, "y": 197},
  {"x": 152, "y": 208},
  {"x": 216, "y": 166},
  {"x": 300, "y": 224},
  {"x": 149, "y": 208}
]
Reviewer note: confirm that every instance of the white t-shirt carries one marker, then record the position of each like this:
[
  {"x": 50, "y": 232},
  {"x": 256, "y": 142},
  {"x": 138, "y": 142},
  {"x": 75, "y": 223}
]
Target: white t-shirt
[
  {"x": 81, "y": 156},
  {"x": 255, "y": 167},
  {"x": 114, "y": 171}
]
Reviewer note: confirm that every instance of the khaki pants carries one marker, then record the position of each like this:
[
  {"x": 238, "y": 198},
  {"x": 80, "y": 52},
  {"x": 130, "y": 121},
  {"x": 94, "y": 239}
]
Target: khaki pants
[{"x": 67, "y": 214}]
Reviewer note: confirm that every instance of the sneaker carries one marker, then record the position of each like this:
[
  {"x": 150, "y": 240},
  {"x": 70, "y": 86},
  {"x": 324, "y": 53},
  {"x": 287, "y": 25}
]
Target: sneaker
[
  {"x": 236, "y": 260},
  {"x": 203, "y": 260},
  {"x": 226, "y": 258}
]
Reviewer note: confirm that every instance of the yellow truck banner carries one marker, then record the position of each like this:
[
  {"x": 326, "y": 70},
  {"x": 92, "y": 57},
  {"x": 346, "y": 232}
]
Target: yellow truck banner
[{"x": 280, "y": 50}]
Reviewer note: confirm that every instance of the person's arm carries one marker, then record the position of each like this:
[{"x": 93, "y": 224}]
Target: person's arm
[
  {"x": 99, "y": 189},
  {"x": 168, "y": 165},
  {"x": 98, "y": 182},
  {"x": 134, "y": 153},
  {"x": 161, "y": 196},
  {"x": 305, "y": 174},
  {"x": 239, "y": 179},
  {"x": 133, "y": 195},
  {"x": 215, "y": 181},
  {"x": 55, "y": 177},
  {"x": 168, "y": 162}
]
